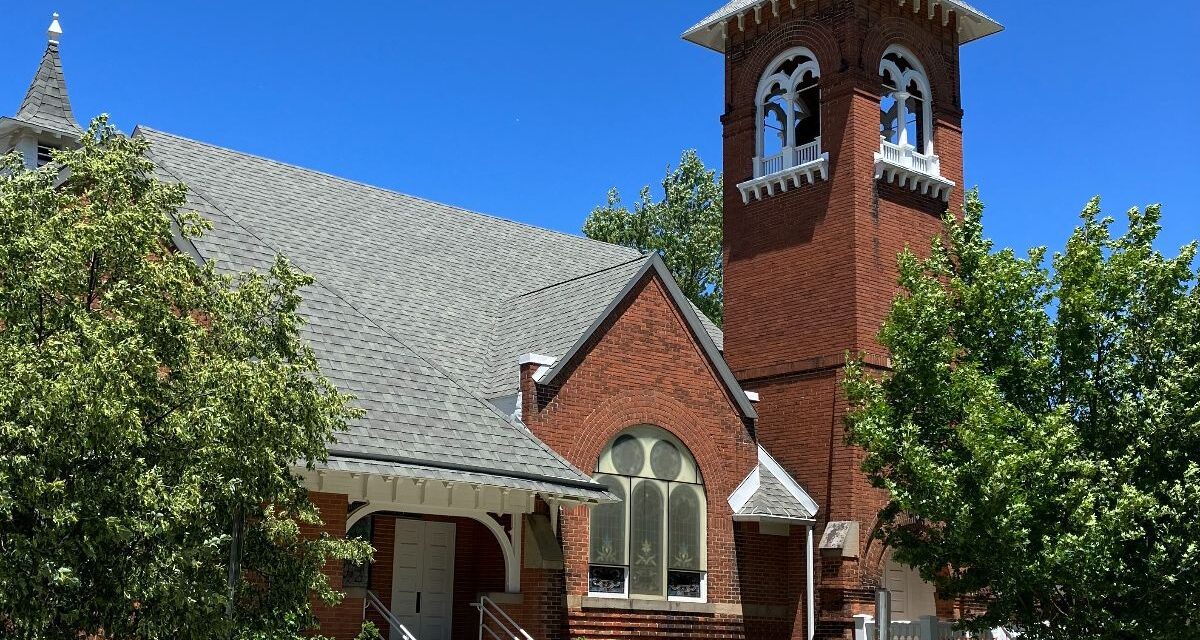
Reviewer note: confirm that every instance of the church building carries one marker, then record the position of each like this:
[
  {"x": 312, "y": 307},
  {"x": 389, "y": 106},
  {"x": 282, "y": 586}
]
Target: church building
[{"x": 555, "y": 443}]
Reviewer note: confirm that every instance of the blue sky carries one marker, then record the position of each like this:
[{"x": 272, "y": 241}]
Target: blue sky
[{"x": 531, "y": 111}]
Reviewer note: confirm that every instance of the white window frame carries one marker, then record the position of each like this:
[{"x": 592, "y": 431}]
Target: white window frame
[
  {"x": 791, "y": 83},
  {"x": 915, "y": 74},
  {"x": 703, "y": 588},
  {"x": 900, "y": 162},
  {"x": 624, "y": 595},
  {"x": 797, "y": 164}
]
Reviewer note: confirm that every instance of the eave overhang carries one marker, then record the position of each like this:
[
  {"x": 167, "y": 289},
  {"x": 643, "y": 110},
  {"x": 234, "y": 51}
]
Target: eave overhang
[{"x": 714, "y": 31}]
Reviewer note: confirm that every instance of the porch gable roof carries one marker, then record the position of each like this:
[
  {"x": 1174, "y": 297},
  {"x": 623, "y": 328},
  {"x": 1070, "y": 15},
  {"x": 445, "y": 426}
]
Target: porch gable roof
[{"x": 769, "y": 493}]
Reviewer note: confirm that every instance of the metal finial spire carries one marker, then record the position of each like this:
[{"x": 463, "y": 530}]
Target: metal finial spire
[{"x": 55, "y": 30}]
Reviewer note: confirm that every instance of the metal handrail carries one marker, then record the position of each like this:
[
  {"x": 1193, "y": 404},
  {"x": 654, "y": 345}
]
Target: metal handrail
[
  {"x": 373, "y": 600},
  {"x": 510, "y": 630}
]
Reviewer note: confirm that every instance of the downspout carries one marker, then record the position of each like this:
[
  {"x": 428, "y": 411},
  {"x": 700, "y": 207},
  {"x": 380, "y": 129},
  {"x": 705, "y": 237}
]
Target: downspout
[{"x": 812, "y": 616}]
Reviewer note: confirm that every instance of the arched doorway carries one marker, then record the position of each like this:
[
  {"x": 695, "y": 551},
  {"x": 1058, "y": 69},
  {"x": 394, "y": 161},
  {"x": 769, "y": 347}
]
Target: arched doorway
[{"x": 430, "y": 568}]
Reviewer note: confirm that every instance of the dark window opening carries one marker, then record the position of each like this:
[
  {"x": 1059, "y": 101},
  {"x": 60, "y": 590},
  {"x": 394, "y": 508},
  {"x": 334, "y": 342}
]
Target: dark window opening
[
  {"x": 45, "y": 153},
  {"x": 358, "y": 575}
]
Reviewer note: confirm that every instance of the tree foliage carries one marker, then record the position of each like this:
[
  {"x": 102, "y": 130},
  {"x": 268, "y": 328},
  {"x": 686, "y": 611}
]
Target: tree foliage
[
  {"x": 1039, "y": 434},
  {"x": 684, "y": 228},
  {"x": 145, "y": 400}
]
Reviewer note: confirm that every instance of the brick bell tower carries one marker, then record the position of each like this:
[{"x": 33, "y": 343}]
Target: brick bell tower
[{"x": 842, "y": 146}]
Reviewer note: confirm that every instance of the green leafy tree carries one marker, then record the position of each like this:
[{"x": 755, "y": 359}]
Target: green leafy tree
[
  {"x": 684, "y": 228},
  {"x": 1039, "y": 433},
  {"x": 144, "y": 401}
]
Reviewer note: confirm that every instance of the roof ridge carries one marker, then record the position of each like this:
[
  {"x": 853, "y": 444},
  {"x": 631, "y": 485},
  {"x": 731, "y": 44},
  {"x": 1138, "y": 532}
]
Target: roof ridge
[
  {"x": 579, "y": 277},
  {"x": 385, "y": 190}
]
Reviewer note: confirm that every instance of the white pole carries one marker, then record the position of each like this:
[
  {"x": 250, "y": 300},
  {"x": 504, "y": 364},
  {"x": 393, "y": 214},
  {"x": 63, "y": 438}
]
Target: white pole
[{"x": 812, "y": 614}]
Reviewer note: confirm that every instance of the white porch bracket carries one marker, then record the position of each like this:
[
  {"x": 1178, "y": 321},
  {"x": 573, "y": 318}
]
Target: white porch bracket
[
  {"x": 509, "y": 540},
  {"x": 485, "y": 504}
]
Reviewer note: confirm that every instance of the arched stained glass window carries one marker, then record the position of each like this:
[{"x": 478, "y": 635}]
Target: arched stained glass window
[{"x": 652, "y": 543}]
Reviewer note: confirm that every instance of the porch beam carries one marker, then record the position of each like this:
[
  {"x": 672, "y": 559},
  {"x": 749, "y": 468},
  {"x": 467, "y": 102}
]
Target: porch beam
[{"x": 509, "y": 541}]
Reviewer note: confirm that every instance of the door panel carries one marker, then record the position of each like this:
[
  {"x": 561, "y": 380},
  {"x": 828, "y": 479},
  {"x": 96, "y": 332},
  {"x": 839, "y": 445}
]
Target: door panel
[
  {"x": 423, "y": 578},
  {"x": 407, "y": 567},
  {"x": 912, "y": 597},
  {"x": 437, "y": 597}
]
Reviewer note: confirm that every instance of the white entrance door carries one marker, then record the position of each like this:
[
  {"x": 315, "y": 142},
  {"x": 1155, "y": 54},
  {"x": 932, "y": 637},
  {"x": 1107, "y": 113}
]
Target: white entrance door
[
  {"x": 423, "y": 578},
  {"x": 912, "y": 597}
]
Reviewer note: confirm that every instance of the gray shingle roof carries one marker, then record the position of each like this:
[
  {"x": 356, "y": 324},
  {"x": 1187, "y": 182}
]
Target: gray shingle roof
[
  {"x": 549, "y": 320},
  {"x": 378, "y": 258},
  {"x": 46, "y": 103},
  {"x": 772, "y": 499},
  {"x": 435, "y": 274},
  {"x": 768, "y": 492}
]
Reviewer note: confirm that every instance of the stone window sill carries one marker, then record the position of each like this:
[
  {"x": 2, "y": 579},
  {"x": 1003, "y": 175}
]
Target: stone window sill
[{"x": 640, "y": 604}]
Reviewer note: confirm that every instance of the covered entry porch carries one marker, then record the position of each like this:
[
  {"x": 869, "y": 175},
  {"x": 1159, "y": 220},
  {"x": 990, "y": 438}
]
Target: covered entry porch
[{"x": 443, "y": 547}]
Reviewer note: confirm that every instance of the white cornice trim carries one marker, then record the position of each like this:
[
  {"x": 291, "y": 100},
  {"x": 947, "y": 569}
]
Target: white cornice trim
[
  {"x": 798, "y": 176},
  {"x": 973, "y": 24},
  {"x": 744, "y": 491}
]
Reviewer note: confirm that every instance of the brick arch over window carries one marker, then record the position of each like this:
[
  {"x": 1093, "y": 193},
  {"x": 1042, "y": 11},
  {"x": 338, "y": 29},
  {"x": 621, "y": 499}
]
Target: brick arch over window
[
  {"x": 810, "y": 34},
  {"x": 631, "y": 409},
  {"x": 900, "y": 31},
  {"x": 724, "y": 459}
]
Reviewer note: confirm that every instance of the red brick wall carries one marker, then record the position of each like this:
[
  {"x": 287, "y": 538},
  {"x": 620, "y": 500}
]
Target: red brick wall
[
  {"x": 811, "y": 273},
  {"x": 645, "y": 367},
  {"x": 344, "y": 621},
  {"x": 383, "y": 538},
  {"x": 543, "y": 606},
  {"x": 478, "y": 568},
  {"x": 773, "y": 581}
]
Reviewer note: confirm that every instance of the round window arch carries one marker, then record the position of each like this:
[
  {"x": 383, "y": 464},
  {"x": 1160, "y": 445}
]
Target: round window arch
[
  {"x": 906, "y": 101},
  {"x": 788, "y": 112},
  {"x": 653, "y": 542}
]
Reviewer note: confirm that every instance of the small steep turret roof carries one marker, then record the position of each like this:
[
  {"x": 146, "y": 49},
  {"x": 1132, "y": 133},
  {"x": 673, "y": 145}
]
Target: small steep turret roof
[{"x": 46, "y": 103}]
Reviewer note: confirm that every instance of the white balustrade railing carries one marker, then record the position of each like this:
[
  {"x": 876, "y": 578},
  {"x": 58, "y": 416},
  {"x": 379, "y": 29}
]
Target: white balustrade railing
[
  {"x": 905, "y": 155},
  {"x": 770, "y": 165},
  {"x": 806, "y": 153},
  {"x": 926, "y": 628},
  {"x": 788, "y": 158}
]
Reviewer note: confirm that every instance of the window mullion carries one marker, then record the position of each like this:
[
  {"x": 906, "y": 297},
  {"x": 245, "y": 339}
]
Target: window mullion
[
  {"x": 666, "y": 569},
  {"x": 628, "y": 536}
]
